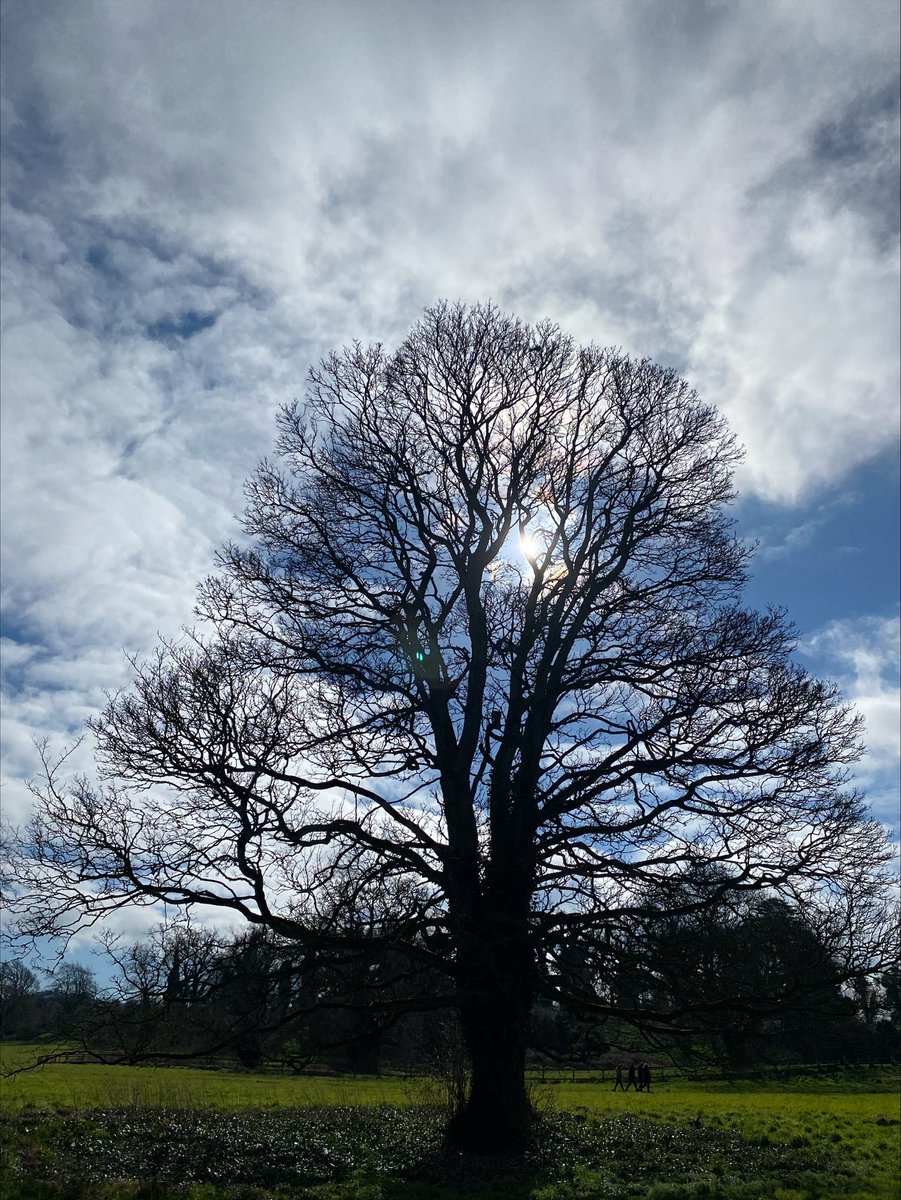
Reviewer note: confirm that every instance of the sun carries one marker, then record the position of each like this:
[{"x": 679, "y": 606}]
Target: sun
[{"x": 530, "y": 546}]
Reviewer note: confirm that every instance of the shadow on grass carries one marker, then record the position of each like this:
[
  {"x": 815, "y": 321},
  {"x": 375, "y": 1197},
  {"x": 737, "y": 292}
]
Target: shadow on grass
[{"x": 377, "y": 1154}]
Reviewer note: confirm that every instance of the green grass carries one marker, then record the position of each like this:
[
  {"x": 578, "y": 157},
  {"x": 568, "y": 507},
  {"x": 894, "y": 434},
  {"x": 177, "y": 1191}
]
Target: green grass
[
  {"x": 824, "y": 1139},
  {"x": 75, "y": 1085},
  {"x": 862, "y": 1127}
]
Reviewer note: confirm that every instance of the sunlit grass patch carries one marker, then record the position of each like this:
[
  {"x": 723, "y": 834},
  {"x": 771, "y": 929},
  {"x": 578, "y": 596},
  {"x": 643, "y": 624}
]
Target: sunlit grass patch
[
  {"x": 861, "y": 1128},
  {"x": 89, "y": 1085}
]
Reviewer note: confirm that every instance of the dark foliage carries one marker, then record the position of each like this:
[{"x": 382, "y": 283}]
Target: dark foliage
[{"x": 292, "y": 1148}]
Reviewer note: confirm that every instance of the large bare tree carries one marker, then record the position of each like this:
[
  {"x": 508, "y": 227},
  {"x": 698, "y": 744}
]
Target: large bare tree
[{"x": 475, "y": 680}]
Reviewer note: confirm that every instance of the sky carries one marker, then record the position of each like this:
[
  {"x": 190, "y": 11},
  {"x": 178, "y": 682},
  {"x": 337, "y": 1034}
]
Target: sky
[{"x": 200, "y": 198}]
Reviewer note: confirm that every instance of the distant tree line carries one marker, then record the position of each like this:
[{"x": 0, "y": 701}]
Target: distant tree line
[{"x": 253, "y": 999}]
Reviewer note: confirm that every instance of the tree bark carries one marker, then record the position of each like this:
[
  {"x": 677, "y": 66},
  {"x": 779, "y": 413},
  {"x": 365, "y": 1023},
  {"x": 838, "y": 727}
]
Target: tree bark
[
  {"x": 496, "y": 981},
  {"x": 497, "y": 1114}
]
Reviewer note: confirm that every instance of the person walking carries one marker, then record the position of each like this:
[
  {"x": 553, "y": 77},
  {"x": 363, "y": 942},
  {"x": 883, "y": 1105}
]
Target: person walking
[
  {"x": 645, "y": 1075},
  {"x": 631, "y": 1079},
  {"x": 618, "y": 1082}
]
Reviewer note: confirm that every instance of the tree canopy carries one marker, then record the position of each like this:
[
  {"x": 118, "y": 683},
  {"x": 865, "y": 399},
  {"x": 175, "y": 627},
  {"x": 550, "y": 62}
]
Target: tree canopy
[{"x": 473, "y": 690}]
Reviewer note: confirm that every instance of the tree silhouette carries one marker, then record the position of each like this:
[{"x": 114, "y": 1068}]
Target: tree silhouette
[
  {"x": 755, "y": 977},
  {"x": 476, "y": 678}
]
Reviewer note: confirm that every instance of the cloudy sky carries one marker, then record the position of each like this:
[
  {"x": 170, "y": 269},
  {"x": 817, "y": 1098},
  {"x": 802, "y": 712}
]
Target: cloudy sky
[{"x": 202, "y": 197}]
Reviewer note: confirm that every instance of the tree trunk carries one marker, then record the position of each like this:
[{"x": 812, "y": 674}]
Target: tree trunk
[
  {"x": 497, "y": 1114},
  {"x": 496, "y": 987}
]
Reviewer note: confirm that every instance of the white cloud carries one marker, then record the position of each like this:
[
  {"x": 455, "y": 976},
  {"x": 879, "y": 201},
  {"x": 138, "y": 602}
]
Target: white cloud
[
  {"x": 638, "y": 172},
  {"x": 792, "y": 361},
  {"x": 697, "y": 181},
  {"x": 864, "y": 655}
]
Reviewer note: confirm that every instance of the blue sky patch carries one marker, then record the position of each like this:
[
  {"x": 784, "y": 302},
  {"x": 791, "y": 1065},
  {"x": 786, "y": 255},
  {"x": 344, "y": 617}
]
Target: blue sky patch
[{"x": 180, "y": 328}]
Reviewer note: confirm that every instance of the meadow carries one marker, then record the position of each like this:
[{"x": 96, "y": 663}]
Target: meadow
[{"x": 95, "y": 1132}]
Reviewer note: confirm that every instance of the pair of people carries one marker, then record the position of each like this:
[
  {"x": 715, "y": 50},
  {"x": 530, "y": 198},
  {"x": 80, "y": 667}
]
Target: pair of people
[{"x": 638, "y": 1077}]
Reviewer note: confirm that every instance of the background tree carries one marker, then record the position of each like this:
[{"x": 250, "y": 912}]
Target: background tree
[
  {"x": 72, "y": 996},
  {"x": 751, "y": 976},
  {"x": 480, "y": 668},
  {"x": 19, "y": 1015}
]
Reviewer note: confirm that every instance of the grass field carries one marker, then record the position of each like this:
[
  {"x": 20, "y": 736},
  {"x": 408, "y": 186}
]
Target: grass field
[
  {"x": 69, "y": 1085},
  {"x": 817, "y": 1139}
]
